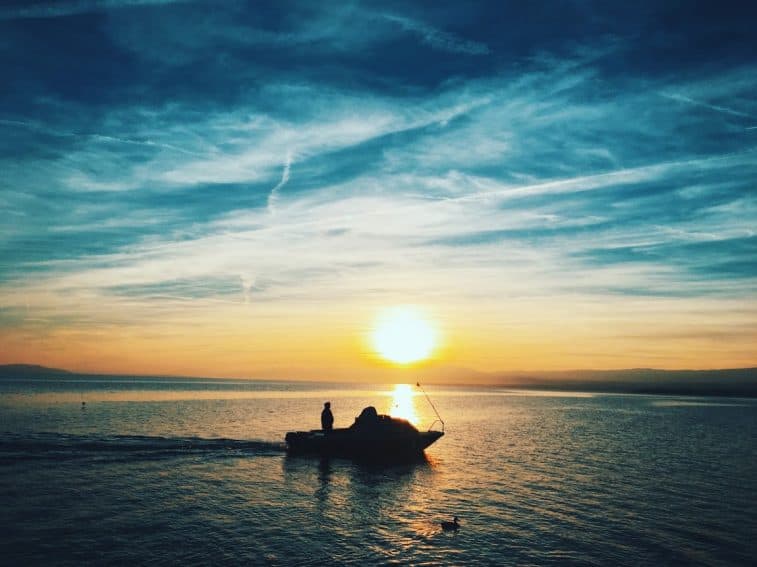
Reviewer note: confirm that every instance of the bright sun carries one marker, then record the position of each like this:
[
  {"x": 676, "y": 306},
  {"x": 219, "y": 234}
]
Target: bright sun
[{"x": 403, "y": 336}]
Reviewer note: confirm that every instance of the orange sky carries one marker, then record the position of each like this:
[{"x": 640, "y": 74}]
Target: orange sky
[
  {"x": 260, "y": 343},
  {"x": 247, "y": 202}
]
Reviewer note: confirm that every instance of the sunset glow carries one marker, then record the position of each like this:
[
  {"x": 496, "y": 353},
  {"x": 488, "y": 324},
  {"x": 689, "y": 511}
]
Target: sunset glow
[
  {"x": 403, "y": 336},
  {"x": 248, "y": 202},
  {"x": 402, "y": 403},
  {"x": 428, "y": 283}
]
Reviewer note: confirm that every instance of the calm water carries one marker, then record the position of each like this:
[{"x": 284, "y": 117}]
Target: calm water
[{"x": 169, "y": 470}]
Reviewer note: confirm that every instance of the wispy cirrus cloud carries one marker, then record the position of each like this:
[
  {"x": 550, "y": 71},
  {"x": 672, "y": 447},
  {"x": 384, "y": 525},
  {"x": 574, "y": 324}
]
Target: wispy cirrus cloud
[
  {"x": 438, "y": 39},
  {"x": 273, "y": 195},
  {"x": 465, "y": 114},
  {"x": 63, "y": 8},
  {"x": 301, "y": 170},
  {"x": 715, "y": 107}
]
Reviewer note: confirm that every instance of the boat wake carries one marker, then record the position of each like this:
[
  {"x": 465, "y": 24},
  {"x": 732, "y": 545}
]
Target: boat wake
[{"x": 61, "y": 446}]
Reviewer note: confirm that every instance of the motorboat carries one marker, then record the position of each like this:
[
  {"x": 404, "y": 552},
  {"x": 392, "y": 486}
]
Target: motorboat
[{"x": 372, "y": 436}]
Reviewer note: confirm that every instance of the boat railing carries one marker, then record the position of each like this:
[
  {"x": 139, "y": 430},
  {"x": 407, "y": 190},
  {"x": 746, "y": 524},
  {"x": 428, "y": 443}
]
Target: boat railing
[{"x": 438, "y": 417}]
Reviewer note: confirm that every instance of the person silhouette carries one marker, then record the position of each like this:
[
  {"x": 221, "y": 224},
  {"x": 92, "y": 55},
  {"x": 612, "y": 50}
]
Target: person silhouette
[{"x": 327, "y": 418}]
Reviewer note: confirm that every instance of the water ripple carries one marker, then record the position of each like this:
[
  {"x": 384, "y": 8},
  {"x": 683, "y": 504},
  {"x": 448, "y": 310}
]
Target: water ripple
[{"x": 534, "y": 480}]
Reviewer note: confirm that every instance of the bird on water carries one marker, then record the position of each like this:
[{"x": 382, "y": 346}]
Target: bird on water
[{"x": 450, "y": 526}]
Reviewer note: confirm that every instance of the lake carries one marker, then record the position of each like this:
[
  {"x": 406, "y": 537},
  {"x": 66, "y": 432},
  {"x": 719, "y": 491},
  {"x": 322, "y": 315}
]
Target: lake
[{"x": 171, "y": 470}]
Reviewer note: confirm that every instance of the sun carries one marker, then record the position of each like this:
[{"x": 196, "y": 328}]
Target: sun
[{"x": 402, "y": 335}]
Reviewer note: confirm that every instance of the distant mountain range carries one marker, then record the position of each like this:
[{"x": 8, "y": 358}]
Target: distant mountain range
[
  {"x": 30, "y": 371},
  {"x": 725, "y": 382}
]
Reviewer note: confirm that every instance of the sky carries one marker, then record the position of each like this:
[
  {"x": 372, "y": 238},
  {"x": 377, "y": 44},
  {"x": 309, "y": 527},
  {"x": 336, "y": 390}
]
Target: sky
[{"x": 241, "y": 189}]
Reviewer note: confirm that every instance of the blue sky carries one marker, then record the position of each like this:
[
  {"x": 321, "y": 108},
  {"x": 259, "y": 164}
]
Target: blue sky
[{"x": 575, "y": 167}]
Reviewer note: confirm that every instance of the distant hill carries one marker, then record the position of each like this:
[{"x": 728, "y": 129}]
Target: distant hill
[
  {"x": 737, "y": 382},
  {"x": 30, "y": 371},
  {"x": 725, "y": 382}
]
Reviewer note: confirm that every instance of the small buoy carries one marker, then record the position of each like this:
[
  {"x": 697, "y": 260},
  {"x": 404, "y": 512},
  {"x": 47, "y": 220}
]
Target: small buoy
[{"x": 450, "y": 526}]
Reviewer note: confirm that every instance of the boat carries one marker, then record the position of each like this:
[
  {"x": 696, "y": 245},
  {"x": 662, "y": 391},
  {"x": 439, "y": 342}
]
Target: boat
[{"x": 371, "y": 437}]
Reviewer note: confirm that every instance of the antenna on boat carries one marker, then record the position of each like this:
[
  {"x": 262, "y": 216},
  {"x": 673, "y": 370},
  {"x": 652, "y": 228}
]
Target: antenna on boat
[{"x": 438, "y": 417}]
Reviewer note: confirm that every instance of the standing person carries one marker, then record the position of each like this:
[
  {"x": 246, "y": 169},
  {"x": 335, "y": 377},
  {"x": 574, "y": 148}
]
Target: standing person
[{"x": 327, "y": 418}]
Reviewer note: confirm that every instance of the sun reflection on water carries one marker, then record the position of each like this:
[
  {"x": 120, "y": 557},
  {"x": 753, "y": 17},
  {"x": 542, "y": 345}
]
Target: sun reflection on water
[{"x": 402, "y": 404}]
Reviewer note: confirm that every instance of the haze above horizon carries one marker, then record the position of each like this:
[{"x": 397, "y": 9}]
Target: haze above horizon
[{"x": 199, "y": 189}]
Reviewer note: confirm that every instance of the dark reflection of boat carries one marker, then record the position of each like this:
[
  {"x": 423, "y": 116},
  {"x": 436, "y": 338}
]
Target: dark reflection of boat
[
  {"x": 351, "y": 494},
  {"x": 371, "y": 437}
]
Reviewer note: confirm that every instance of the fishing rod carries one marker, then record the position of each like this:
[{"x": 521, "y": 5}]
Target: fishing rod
[{"x": 439, "y": 418}]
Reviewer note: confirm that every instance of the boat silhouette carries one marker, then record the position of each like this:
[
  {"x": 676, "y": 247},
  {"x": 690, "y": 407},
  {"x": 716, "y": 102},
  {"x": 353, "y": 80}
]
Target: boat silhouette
[{"x": 372, "y": 436}]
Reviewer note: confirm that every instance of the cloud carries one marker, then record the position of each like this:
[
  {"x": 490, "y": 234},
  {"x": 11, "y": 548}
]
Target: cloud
[
  {"x": 65, "y": 8},
  {"x": 439, "y": 39},
  {"x": 247, "y": 286},
  {"x": 715, "y": 107},
  {"x": 273, "y": 196},
  {"x": 548, "y": 182}
]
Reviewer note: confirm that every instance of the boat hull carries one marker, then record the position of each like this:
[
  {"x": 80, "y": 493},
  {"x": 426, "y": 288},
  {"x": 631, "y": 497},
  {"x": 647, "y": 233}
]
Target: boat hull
[{"x": 387, "y": 443}]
